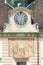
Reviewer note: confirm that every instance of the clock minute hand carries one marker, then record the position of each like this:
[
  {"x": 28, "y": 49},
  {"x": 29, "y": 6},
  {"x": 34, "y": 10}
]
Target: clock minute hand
[{"x": 20, "y": 19}]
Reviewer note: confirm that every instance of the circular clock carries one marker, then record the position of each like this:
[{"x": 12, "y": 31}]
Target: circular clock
[{"x": 20, "y": 18}]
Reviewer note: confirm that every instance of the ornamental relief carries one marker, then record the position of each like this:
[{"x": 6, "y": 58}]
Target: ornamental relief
[{"x": 21, "y": 48}]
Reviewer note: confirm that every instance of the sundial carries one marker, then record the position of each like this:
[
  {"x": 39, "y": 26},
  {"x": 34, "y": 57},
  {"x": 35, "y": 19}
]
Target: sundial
[{"x": 21, "y": 48}]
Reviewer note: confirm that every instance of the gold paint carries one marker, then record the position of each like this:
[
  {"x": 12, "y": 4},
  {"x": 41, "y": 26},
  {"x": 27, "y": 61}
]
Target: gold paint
[
  {"x": 21, "y": 59},
  {"x": 12, "y": 12},
  {"x": 25, "y": 52}
]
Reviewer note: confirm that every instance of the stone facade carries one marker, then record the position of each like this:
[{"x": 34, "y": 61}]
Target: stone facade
[
  {"x": 7, "y": 57},
  {"x": 10, "y": 60},
  {"x": 38, "y": 13}
]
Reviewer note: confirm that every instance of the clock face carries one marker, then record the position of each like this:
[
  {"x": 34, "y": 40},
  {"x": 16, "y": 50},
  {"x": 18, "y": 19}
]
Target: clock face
[{"x": 20, "y": 18}]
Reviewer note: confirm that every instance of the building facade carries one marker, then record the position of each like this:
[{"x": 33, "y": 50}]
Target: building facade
[
  {"x": 21, "y": 49},
  {"x": 21, "y": 42}
]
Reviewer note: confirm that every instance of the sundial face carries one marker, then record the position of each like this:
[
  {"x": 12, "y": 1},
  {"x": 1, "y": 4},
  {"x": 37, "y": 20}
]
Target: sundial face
[
  {"x": 20, "y": 18},
  {"x": 21, "y": 48}
]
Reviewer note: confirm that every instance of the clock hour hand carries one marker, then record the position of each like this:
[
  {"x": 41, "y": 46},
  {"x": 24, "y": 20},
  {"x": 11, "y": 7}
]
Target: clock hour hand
[{"x": 20, "y": 19}]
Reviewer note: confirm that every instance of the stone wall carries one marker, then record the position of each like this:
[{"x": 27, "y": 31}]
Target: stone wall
[
  {"x": 10, "y": 61},
  {"x": 39, "y": 13}
]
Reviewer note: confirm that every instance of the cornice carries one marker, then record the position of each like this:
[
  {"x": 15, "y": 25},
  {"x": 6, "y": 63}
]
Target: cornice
[{"x": 19, "y": 34}]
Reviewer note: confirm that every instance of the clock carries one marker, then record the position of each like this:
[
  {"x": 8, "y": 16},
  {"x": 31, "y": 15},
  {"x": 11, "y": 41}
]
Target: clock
[{"x": 20, "y": 18}]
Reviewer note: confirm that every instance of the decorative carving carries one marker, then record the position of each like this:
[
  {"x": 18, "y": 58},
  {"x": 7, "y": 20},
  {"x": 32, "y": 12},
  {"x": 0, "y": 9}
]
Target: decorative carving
[
  {"x": 21, "y": 48},
  {"x": 12, "y": 12}
]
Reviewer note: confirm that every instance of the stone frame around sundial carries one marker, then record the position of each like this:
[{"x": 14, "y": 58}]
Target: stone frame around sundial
[{"x": 24, "y": 51}]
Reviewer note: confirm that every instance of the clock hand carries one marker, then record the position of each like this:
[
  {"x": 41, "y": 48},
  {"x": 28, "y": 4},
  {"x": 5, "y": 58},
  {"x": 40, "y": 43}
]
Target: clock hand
[{"x": 20, "y": 19}]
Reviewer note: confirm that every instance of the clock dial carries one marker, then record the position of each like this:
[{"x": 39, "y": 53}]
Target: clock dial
[{"x": 20, "y": 18}]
